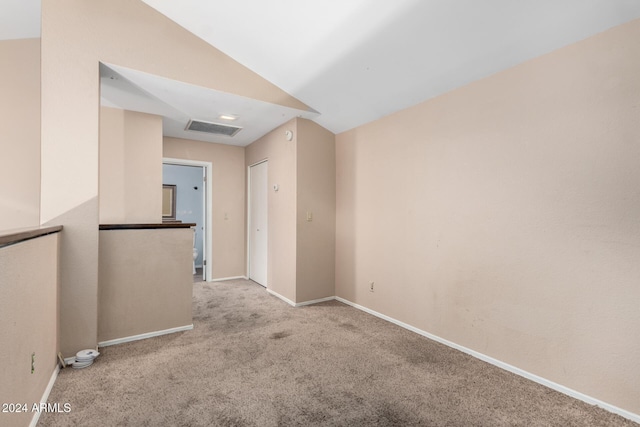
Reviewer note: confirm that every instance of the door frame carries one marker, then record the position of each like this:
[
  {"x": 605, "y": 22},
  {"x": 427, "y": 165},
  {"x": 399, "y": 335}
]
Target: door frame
[
  {"x": 208, "y": 209},
  {"x": 266, "y": 285}
]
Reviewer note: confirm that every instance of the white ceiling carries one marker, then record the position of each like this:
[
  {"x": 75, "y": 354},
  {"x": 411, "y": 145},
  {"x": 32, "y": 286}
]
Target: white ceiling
[
  {"x": 178, "y": 102},
  {"x": 19, "y": 19},
  {"x": 354, "y": 61}
]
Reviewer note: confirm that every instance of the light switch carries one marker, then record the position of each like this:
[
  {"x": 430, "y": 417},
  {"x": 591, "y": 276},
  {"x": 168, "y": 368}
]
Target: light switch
[{"x": 309, "y": 216}]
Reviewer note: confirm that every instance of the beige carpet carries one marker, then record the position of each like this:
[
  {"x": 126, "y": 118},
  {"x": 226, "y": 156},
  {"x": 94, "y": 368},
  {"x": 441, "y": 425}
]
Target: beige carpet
[{"x": 252, "y": 360}]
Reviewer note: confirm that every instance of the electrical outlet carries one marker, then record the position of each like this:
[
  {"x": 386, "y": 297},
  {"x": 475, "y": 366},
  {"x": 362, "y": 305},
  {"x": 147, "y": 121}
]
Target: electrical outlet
[{"x": 371, "y": 286}]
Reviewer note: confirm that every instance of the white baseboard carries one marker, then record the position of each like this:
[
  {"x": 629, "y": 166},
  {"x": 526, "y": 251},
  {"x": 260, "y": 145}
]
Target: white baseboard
[
  {"x": 315, "y": 301},
  {"x": 299, "y": 304},
  {"x": 222, "y": 279},
  {"x": 283, "y": 298},
  {"x": 144, "y": 336},
  {"x": 45, "y": 395},
  {"x": 528, "y": 375}
]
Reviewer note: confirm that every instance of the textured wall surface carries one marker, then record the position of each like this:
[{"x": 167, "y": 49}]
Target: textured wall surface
[
  {"x": 503, "y": 216},
  {"x": 20, "y": 133},
  {"x": 28, "y": 323},
  {"x": 135, "y": 296},
  {"x": 316, "y": 194},
  {"x": 228, "y": 193},
  {"x": 130, "y": 167},
  {"x": 281, "y": 154}
]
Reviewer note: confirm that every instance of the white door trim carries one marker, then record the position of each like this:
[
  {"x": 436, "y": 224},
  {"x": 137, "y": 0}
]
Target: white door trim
[
  {"x": 208, "y": 208},
  {"x": 249, "y": 215}
]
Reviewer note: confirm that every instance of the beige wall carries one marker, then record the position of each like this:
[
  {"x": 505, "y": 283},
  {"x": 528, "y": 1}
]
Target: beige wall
[
  {"x": 282, "y": 208},
  {"x": 503, "y": 216},
  {"x": 20, "y": 133},
  {"x": 316, "y": 193},
  {"x": 228, "y": 204},
  {"x": 76, "y": 36},
  {"x": 135, "y": 296},
  {"x": 28, "y": 322},
  {"x": 130, "y": 167},
  {"x": 301, "y": 254}
]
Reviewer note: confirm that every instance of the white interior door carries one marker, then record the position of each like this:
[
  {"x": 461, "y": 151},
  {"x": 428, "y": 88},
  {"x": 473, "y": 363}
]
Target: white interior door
[
  {"x": 258, "y": 223},
  {"x": 204, "y": 224}
]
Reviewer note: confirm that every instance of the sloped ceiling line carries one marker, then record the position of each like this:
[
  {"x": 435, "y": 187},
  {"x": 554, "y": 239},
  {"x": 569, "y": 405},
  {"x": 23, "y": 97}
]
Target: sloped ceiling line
[{"x": 360, "y": 60}]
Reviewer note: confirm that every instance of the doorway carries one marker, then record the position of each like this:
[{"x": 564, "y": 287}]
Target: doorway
[
  {"x": 193, "y": 205},
  {"x": 258, "y": 221}
]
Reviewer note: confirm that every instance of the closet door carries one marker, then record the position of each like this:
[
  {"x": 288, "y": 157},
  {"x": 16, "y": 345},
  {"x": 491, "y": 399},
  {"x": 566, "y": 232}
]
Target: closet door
[{"x": 258, "y": 223}]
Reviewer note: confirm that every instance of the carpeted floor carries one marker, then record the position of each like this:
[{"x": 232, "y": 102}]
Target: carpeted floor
[{"x": 252, "y": 360}]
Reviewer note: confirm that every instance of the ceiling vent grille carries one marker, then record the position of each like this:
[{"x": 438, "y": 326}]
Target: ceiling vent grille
[{"x": 212, "y": 128}]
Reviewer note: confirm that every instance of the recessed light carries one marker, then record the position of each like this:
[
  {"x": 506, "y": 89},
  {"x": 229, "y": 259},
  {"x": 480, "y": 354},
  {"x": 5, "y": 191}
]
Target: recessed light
[{"x": 227, "y": 117}]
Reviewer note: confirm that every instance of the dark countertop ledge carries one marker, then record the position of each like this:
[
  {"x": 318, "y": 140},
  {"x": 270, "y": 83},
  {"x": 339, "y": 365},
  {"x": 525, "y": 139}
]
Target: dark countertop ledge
[
  {"x": 146, "y": 226},
  {"x": 10, "y": 237}
]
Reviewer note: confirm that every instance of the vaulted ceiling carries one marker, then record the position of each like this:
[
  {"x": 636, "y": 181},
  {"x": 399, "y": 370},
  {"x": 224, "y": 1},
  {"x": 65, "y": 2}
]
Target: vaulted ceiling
[{"x": 353, "y": 61}]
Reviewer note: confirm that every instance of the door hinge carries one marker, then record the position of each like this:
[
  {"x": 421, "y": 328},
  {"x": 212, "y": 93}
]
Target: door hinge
[{"x": 204, "y": 262}]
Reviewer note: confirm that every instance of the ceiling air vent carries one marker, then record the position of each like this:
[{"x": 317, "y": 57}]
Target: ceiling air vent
[{"x": 212, "y": 128}]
